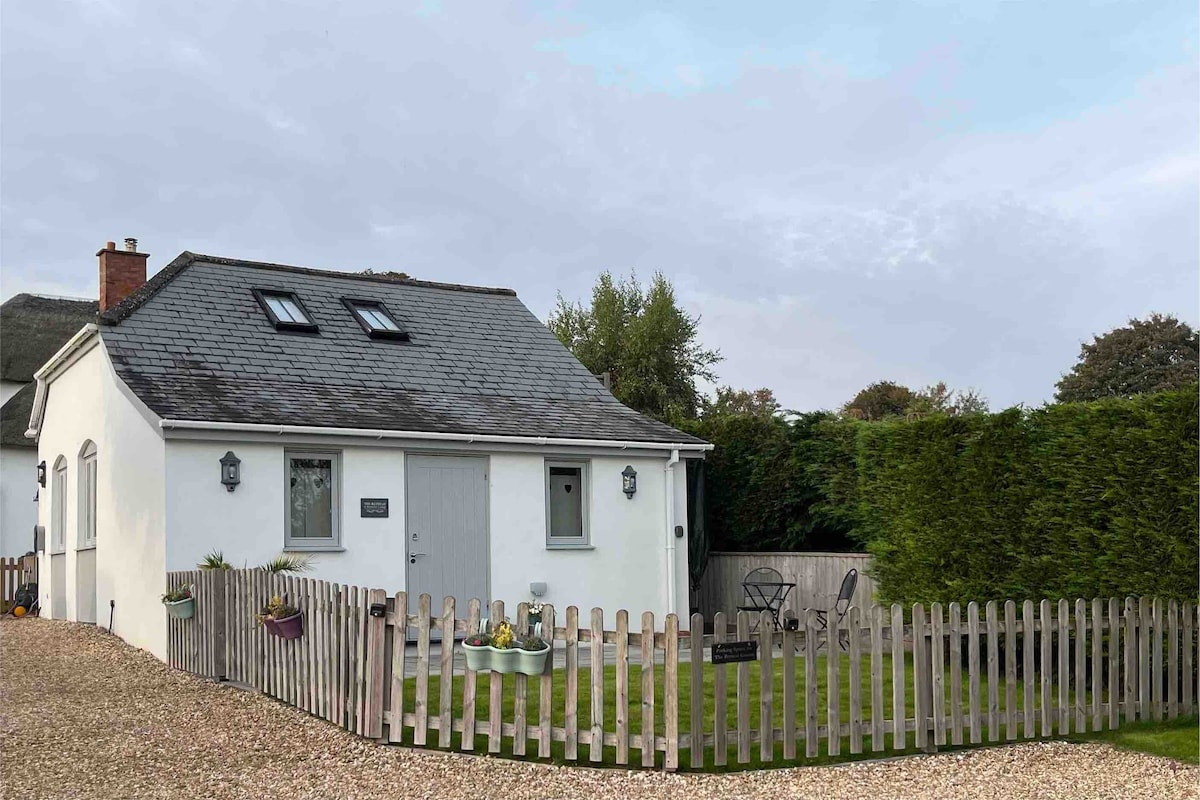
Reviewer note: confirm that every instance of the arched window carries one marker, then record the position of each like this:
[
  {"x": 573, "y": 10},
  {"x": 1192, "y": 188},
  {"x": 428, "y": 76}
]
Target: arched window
[
  {"x": 58, "y": 506},
  {"x": 87, "y": 495}
]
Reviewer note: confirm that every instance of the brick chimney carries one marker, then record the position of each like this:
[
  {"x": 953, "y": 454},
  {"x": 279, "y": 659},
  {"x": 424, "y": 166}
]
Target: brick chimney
[{"x": 121, "y": 272}]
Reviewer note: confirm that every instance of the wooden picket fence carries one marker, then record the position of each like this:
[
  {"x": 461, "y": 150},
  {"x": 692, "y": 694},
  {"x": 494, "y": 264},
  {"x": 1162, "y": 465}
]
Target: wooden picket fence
[
  {"x": 886, "y": 679},
  {"x": 13, "y": 573}
]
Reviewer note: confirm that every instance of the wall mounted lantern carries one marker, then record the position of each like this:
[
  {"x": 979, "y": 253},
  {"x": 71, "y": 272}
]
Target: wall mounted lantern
[
  {"x": 629, "y": 481},
  {"x": 42, "y": 474},
  {"x": 231, "y": 471}
]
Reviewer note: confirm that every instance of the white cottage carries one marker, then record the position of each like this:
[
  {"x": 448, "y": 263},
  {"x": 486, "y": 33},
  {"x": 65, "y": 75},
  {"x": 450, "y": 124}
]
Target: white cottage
[
  {"x": 407, "y": 434},
  {"x": 32, "y": 328}
]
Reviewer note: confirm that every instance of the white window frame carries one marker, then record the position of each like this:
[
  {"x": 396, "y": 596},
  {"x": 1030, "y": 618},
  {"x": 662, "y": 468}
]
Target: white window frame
[
  {"x": 313, "y": 543},
  {"x": 87, "y": 497},
  {"x": 583, "y": 542},
  {"x": 58, "y": 507}
]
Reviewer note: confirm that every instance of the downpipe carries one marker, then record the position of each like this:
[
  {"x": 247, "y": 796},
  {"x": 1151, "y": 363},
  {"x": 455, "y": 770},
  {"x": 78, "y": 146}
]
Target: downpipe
[{"x": 669, "y": 484}]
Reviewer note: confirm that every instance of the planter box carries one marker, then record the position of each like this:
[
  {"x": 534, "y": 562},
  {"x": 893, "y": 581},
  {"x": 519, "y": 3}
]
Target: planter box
[
  {"x": 505, "y": 662},
  {"x": 287, "y": 628},
  {"x": 478, "y": 658},
  {"x": 182, "y": 609},
  {"x": 532, "y": 662}
]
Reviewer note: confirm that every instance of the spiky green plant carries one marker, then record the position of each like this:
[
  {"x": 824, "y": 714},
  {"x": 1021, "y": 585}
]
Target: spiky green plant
[
  {"x": 214, "y": 560},
  {"x": 288, "y": 562}
]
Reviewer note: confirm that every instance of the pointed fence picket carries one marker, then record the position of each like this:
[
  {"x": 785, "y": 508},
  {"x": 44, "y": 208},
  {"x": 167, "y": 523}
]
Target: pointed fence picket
[{"x": 366, "y": 663}]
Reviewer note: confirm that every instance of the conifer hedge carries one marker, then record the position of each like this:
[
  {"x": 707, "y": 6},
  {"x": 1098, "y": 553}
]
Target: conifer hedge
[{"x": 1071, "y": 500}]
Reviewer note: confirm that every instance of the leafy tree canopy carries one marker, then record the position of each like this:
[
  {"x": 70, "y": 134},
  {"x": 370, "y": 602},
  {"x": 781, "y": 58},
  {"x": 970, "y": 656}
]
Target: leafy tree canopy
[
  {"x": 644, "y": 341},
  {"x": 887, "y": 400},
  {"x": 1151, "y": 355},
  {"x": 729, "y": 401},
  {"x": 879, "y": 400}
]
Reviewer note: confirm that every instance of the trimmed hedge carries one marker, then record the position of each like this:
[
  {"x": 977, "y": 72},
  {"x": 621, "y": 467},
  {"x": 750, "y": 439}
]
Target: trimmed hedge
[
  {"x": 1070, "y": 500},
  {"x": 1073, "y": 500}
]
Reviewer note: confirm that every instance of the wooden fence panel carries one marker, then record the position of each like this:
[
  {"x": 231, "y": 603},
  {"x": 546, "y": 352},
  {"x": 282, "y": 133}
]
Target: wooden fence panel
[
  {"x": 878, "y": 711},
  {"x": 671, "y": 690},
  {"x": 622, "y": 688},
  {"x": 743, "y": 693},
  {"x": 790, "y": 643},
  {"x": 1011, "y": 714},
  {"x": 647, "y": 675},
  {"x": 596, "y": 650},
  {"x": 817, "y": 576},
  {"x": 546, "y": 686},
  {"x": 720, "y": 695},
  {"x": 974, "y": 709},
  {"x": 854, "y": 624},
  {"x": 1114, "y": 662},
  {"x": 899, "y": 710},
  {"x": 695, "y": 692},
  {"x": 956, "y": 695},
  {"x": 993, "y": 671},
  {"x": 833, "y": 689}
]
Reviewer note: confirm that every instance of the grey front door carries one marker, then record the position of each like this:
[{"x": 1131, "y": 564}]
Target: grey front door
[{"x": 446, "y": 530}]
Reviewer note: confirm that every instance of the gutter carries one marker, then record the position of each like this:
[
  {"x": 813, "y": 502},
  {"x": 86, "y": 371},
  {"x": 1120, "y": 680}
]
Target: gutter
[
  {"x": 81, "y": 337},
  {"x": 467, "y": 438}
]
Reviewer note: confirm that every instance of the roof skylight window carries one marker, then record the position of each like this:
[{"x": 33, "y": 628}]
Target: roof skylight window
[
  {"x": 375, "y": 319},
  {"x": 285, "y": 310}
]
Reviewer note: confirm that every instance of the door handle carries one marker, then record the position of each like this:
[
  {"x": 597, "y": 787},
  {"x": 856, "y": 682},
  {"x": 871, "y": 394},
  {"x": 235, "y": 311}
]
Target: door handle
[{"x": 412, "y": 557}]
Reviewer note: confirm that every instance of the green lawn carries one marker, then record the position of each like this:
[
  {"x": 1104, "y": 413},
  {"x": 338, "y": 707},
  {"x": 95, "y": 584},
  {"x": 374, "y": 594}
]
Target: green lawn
[
  {"x": 1178, "y": 739},
  {"x": 558, "y": 706}
]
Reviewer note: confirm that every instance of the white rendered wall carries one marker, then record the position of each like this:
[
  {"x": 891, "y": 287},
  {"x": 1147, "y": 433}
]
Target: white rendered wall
[
  {"x": 247, "y": 524},
  {"x": 86, "y": 401},
  {"x": 626, "y": 569},
  {"x": 18, "y": 510}
]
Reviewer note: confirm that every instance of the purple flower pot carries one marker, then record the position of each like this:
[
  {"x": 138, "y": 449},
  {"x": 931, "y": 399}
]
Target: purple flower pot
[{"x": 287, "y": 628}]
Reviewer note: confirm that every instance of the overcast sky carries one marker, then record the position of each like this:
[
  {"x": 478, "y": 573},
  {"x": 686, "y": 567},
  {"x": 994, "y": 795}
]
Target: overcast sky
[{"x": 846, "y": 192}]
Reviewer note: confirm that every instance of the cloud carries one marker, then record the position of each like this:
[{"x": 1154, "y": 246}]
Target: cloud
[{"x": 831, "y": 226}]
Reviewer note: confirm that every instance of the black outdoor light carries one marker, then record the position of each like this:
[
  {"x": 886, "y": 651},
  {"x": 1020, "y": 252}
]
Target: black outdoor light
[
  {"x": 231, "y": 471},
  {"x": 629, "y": 481},
  {"x": 42, "y": 474}
]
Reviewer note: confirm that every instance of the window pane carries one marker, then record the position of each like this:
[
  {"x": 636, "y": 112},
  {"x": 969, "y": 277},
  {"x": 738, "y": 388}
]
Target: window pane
[
  {"x": 293, "y": 309},
  {"x": 279, "y": 309},
  {"x": 89, "y": 529},
  {"x": 566, "y": 502},
  {"x": 375, "y": 318},
  {"x": 312, "y": 498},
  {"x": 58, "y": 518}
]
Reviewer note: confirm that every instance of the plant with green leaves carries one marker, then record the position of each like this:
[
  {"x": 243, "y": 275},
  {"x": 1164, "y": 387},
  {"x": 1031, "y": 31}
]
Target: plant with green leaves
[
  {"x": 178, "y": 594},
  {"x": 214, "y": 561},
  {"x": 286, "y": 563}
]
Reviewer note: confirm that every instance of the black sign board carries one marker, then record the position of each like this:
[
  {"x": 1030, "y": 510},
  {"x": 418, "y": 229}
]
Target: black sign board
[
  {"x": 373, "y": 507},
  {"x": 732, "y": 652}
]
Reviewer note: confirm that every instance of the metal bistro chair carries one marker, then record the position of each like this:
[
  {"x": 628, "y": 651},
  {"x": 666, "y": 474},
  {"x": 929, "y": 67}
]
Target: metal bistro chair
[
  {"x": 764, "y": 589},
  {"x": 840, "y": 607}
]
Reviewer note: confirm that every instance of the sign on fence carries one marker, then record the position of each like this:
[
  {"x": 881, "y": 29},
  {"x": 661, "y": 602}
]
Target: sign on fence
[
  {"x": 881, "y": 678},
  {"x": 733, "y": 652}
]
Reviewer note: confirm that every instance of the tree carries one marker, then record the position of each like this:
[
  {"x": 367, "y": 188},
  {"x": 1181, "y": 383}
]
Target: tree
[
  {"x": 941, "y": 399},
  {"x": 879, "y": 400},
  {"x": 643, "y": 340},
  {"x": 1151, "y": 355},
  {"x": 757, "y": 403}
]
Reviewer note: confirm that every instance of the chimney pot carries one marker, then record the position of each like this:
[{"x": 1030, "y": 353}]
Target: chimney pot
[{"x": 122, "y": 272}]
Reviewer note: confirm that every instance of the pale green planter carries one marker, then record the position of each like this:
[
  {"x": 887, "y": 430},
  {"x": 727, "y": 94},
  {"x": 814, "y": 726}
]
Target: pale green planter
[
  {"x": 478, "y": 658},
  {"x": 506, "y": 662},
  {"x": 182, "y": 609},
  {"x": 532, "y": 662}
]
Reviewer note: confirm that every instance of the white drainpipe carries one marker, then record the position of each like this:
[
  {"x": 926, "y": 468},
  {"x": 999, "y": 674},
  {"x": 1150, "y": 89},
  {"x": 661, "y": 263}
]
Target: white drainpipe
[{"x": 669, "y": 482}]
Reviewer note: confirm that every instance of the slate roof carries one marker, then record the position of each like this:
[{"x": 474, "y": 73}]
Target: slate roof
[
  {"x": 14, "y": 418},
  {"x": 194, "y": 344},
  {"x": 33, "y": 328}
]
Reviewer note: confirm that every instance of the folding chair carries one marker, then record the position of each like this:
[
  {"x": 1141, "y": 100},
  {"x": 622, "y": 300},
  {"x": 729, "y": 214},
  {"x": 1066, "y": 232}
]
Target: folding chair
[
  {"x": 840, "y": 607},
  {"x": 764, "y": 589}
]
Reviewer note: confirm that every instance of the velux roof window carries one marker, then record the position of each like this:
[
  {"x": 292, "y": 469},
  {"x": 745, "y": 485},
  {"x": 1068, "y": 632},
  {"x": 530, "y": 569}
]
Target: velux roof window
[
  {"x": 285, "y": 310},
  {"x": 375, "y": 319}
]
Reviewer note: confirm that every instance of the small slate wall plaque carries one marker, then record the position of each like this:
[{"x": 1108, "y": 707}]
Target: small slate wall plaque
[
  {"x": 373, "y": 507},
  {"x": 732, "y": 652}
]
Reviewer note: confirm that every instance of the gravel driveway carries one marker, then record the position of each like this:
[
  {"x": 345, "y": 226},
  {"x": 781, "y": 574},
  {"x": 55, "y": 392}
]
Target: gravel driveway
[{"x": 82, "y": 715}]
